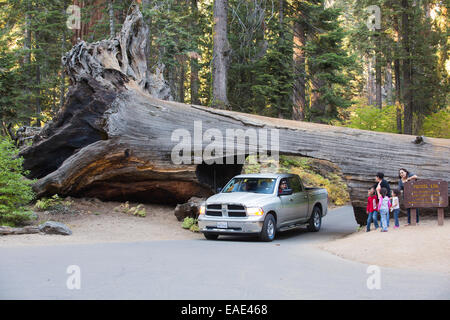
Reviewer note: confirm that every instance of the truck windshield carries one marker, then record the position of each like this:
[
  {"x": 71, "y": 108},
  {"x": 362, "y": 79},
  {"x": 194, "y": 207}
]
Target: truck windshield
[{"x": 255, "y": 185}]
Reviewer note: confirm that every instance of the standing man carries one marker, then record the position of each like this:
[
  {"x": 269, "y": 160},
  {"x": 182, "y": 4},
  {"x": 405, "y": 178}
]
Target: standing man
[{"x": 380, "y": 181}]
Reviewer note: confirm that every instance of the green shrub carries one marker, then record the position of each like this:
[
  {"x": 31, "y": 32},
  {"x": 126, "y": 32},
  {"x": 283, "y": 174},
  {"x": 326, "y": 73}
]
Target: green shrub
[
  {"x": 15, "y": 189},
  {"x": 372, "y": 118},
  {"x": 291, "y": 161},
  {"x": 188, "y": 223},
  {"x": 385, "y": 120},
  {"x": 139, "y": 210},
  {"x": 437, "y": 124},
  {"x": 194, "y": 228},
  {"x": 54, "y": 203},
  {"x": 191, "y": 224}
]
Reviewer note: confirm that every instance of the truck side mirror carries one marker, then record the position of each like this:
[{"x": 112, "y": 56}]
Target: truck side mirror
[
  {"x": 285, "y": 192},
  {"x": 218, "y": 190}
]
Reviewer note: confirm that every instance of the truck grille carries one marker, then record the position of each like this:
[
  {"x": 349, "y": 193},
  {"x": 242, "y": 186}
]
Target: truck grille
[
  {"x": 236, "y": 207},
  {"x": 237, "y": 214},
  {"x": 214, "y": 213},
  {"x": 214, "y": 210},
  {"x": 233, "y": 210}
]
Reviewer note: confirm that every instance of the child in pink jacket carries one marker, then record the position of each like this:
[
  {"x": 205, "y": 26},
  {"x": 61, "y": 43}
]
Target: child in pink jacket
[{"x": 384, "y": 205}]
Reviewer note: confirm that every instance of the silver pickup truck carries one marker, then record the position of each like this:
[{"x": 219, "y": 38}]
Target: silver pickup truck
[{"x": 262, "y": 204}]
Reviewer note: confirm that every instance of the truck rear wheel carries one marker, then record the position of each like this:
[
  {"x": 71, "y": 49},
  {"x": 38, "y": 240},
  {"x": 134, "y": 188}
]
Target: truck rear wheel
[
  {"x": 211, "y": 236},
  {"x": 315, "y": 222},
  {"x": 269, "y": 229}
]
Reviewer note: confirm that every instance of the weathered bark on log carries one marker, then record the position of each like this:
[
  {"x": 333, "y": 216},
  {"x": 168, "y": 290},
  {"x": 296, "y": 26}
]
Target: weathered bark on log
[
  {"x": 25, "y": 230},
  {"x": 112, "y": 139}
]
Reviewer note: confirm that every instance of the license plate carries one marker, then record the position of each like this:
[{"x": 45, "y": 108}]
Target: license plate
[{"x": 222, "y": 225}]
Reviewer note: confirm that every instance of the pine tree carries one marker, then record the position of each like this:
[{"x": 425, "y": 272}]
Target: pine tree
[
  {"x": 327, "y": 60},
  {"x": 15, "y": 190}
]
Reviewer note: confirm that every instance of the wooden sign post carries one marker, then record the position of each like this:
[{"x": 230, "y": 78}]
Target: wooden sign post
[{"x": 426, "y": 194}]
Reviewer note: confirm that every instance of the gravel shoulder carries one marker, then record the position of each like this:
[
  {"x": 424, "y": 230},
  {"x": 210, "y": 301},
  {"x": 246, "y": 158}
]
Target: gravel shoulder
[
  {"x": 425, "y": 247},
  {"x": 93, "y": 221}
]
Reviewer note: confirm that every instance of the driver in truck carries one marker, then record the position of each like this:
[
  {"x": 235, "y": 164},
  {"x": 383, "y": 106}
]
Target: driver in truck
[{"x": 283, "y": 185}]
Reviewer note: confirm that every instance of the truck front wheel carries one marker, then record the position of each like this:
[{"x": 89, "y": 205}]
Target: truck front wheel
[
  {"x": 269, "y": 228},
  {"x": 315, "y": 222}
]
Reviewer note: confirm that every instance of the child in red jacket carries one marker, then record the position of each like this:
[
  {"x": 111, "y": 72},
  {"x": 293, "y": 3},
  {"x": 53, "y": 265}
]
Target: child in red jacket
[{"x": 372, "y": 205}]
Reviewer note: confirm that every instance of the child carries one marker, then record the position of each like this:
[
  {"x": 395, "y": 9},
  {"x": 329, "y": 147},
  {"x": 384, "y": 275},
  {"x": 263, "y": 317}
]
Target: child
[
  {"x": 384, "y": 205},
  {"x": 371, "y": 209},
  {"x": 395, "y": 206}
]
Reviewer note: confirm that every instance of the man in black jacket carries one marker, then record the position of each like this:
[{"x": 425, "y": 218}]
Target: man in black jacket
[{"x": 379, "y": 178}]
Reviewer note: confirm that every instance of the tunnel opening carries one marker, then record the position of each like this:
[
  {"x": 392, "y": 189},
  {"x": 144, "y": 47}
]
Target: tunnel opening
[{"x": 217, "y": 175}]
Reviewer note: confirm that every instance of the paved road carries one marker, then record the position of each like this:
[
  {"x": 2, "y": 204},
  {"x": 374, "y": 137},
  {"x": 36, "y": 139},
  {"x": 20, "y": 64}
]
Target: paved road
[{"x": 291, "y": 267}]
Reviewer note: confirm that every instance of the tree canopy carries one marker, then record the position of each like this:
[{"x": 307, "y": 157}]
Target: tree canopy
[{"x": 305, "y": 60}]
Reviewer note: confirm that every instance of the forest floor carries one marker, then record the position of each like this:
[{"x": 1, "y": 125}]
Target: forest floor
[
  {"x": 92, "y": 221},
  {"x": 424, "y": 247}
]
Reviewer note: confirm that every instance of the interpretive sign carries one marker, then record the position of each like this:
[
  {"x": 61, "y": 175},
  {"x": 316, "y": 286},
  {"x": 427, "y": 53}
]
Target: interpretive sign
[{"x": 426, "y": 194}]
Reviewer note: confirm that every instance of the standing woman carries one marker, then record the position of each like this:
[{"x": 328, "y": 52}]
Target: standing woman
[{"x": 405, "y": 176}]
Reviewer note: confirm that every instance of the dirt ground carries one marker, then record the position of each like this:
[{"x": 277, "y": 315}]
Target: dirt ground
[
  {"x": 424, "y": 247},
  {"x": 92, "y": 220}
]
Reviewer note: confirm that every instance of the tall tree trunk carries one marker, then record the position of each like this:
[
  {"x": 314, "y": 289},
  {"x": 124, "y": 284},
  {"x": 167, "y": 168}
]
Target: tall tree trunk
[
  {"x": 146, "y": 5},
  {"x": 281, "y": 34},
  {"x": 370, "y": 82},
  {"x": 62, "y": 77},
  {"x": 397, "y": 76},
  {"x": 221, "y": 56},
  {"x": 398, "y": 94},
  {"x": 38, "y": 84},
  {"x": 112, "y": 32},
  {"x": 299, "y": 88},
  {"x": 407, "y": 68},
  {"x": 181, "y": 79},
  {"x": 27, "y": 42},
  {"x": 388, "y": 84},
  {"x": 194, "y": 80},
  {"x": 170, "y": 75},
  {"x": 27, "y": 59},
  {"x": 378, "y": 97},
  {"x": 318, "y": 107}
]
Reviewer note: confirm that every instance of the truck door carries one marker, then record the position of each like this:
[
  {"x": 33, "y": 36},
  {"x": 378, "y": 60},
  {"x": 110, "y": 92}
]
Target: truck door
[
  {"x": 300, "y": 199},
  {"x": 287, "y": 204}
]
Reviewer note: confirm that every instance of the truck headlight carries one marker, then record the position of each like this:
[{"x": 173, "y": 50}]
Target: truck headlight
[
  {"x": 201, "y": 210},
  {"x": 255, "y": 211}
]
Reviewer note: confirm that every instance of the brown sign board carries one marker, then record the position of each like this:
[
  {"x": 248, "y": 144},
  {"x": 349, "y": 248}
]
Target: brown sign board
[{"x": 426, "y": 194}]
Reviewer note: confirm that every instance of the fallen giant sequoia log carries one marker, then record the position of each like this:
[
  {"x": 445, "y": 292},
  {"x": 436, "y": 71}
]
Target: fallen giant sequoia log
[{"x": 112, "y": 138}]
